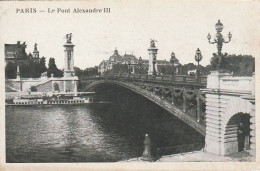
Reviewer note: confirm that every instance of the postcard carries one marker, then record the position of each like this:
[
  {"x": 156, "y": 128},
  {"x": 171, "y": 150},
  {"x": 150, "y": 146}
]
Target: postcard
[{"x": 129, "y": 85}]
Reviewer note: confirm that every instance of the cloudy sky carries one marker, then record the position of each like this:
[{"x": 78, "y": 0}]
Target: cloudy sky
[{"x": 178, "y": 26}]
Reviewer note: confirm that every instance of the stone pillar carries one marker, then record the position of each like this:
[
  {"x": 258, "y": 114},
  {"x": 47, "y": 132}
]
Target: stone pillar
[
  {"x": 152, "y": 56},
  {"x": 68, "y": 59},
  {"x": 213, "y": 79},
  {"x": 214, "y": 140}
]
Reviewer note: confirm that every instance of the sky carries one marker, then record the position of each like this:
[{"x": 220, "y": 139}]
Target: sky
[{"x": 178, "y": 26}]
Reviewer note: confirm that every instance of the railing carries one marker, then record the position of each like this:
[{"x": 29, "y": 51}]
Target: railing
[
  {"x": 198, "y": 125},
  {"x": 12, "y": 95},
  {"x": 178, "y": 149},
  {"x": 184, "y": 79}
]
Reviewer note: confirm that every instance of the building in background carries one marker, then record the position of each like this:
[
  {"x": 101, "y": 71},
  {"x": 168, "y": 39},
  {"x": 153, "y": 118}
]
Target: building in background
[
  {"x": 16, "y": 52},
  {"x": 116, "y": 58},
  {"x": 66, "y": 84},
  {"x": 16, "y": 56}
]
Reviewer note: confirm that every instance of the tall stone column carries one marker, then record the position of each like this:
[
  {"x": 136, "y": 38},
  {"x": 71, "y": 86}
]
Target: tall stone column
[
  {"x": 152, "y": 58},
  {"x": 69, "y": 73},
  {"x": 68, "y": 57}
]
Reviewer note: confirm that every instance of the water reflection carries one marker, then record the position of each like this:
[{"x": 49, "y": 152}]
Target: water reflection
[{"x": 93, "y": 132}]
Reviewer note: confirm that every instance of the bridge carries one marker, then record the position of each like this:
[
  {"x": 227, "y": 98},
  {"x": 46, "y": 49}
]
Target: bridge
[
  {"x": 163, "y": 92},
  {"x": 219, "y": 106},
  {"x": 214, "y": 105}
]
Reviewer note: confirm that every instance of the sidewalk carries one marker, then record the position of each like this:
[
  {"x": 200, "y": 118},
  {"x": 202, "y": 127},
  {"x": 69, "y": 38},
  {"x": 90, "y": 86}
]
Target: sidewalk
[
  {"x": 200, "y": 156},
  {"x": 197, "y": 156}
]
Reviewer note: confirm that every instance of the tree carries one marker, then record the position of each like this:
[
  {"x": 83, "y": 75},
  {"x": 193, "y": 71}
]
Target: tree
[
  {"x": 10, "y": 71},
  {"x": 241, "y": 65},
  {"x": 52, "y": 69},
  {"x": 90, "y": 71},
  {"x": 186, "y": 67},
  {"x": 42, "y": 65},
  {"x": 79, "y": 72}
]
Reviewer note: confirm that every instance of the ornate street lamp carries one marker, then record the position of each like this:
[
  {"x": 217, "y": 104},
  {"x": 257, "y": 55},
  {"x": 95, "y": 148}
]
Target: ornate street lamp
[
  {"x": 219, "y": 40},
  {"x": 172, "y": 61},
  {"x": 198, "y": 58},
  {"x": 129, "y": 65},
  {"x": 140, "y": 62}
]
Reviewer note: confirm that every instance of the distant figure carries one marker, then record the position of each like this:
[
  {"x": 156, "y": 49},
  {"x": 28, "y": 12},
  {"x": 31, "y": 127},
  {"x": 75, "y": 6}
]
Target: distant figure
[
  {"x": 68, "y": 36},
  {"x": 35, "y": 47},
  {"x": 152, "y": 44},
  {"x": 241, "y": 137}
]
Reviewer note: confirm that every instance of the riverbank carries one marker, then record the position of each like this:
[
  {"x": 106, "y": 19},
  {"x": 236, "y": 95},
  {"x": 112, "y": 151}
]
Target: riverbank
[{"x": 200, "y": 156}]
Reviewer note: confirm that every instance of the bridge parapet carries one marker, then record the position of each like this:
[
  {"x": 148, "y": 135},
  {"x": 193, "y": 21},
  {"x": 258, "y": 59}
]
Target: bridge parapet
[
  {"x": 177, "y": 80},
  {"x": 227, "y": 82},
  {"x": 236, "y": 83}
]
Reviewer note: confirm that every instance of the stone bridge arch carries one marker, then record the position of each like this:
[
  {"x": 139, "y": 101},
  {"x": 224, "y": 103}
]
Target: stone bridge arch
[
  {"x": 155, "y": 99},
  {"x": 227, "y": 97},
  {"x": 237, "y": 133},
  {"x": 235, "y": 105}
]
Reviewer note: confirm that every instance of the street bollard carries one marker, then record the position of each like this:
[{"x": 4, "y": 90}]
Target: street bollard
[{"x": 147, "y": 154}]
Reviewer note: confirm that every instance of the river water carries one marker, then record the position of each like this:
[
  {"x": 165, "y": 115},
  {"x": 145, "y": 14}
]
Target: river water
[{"x": 98, "y": 132}]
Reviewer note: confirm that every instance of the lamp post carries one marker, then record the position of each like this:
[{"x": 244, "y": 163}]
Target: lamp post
[
  {"x": 129, "y": 64},
  {"x": 219, "y": 40},
  {"x": 172, "y": 61},
  {"x": 140, "y": 62},
  {"x": 198, "y": 58}
]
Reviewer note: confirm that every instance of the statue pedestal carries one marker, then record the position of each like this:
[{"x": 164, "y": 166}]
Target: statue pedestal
[
  {"x": 152, "y": 55},
  {"x": 213, "y": 80}
]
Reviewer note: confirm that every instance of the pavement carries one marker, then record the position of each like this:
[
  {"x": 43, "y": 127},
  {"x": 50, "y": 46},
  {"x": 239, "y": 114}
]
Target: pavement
[{"x": 201, "y": 156}]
